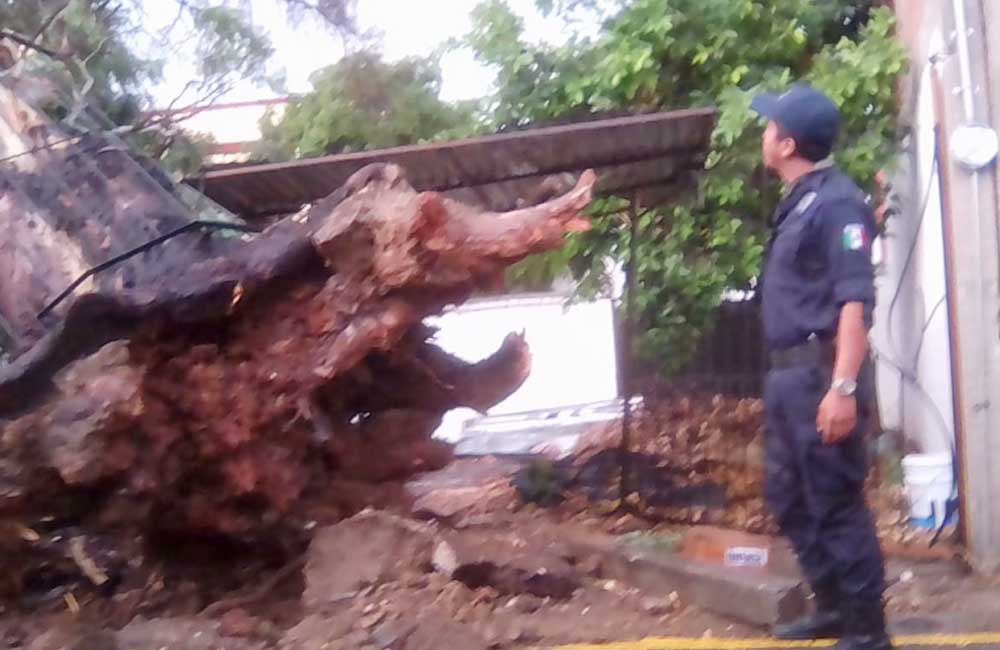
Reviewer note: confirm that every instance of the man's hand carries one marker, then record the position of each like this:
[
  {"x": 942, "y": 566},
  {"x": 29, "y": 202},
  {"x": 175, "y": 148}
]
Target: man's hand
[{"x": 836, "y": 417}]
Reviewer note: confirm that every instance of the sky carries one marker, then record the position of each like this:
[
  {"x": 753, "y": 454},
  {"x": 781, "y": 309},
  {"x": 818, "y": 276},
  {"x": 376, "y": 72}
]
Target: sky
[{"x": 407, "y": 27}]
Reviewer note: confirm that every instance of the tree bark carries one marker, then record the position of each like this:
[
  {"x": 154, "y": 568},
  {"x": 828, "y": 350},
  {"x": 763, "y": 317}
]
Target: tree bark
[
  {"x": 69, "y": 202},
  {"x": 231, "y": 381}
]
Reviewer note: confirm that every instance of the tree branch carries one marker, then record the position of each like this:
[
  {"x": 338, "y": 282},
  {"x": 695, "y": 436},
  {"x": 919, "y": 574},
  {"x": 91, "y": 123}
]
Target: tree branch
[
  {"x": 182, "y": 6},
  {"x": 80, "y": 97},
  {"x": 48, "y": 22},
  {"x": 337, "y": 15},
  {"x": 30, "y": 43}
]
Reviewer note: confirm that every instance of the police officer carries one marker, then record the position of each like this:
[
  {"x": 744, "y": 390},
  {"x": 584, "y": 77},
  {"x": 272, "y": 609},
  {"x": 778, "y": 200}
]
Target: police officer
[{"x": 817, "y": 299}]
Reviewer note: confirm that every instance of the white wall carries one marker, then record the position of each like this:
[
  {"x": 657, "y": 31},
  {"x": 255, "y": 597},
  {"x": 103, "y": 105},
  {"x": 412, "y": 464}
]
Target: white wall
[
  {"x": 573, "y": 359},
  {"x": 922, "y": 410}
]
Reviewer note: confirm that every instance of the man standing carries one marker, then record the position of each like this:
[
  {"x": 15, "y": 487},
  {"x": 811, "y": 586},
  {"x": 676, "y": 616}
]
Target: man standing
[{"x": 817, "y": 299}]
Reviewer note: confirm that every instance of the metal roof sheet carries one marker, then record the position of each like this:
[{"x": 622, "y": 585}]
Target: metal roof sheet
[{"x": 499, "y": 171}]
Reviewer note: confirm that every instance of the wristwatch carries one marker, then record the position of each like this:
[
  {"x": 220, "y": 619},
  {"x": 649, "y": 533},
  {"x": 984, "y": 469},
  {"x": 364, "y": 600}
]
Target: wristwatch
[{"x": 844, "y": 387}]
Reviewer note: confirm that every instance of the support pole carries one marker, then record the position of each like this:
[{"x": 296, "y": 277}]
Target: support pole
[{"x": 624, "y": 486}]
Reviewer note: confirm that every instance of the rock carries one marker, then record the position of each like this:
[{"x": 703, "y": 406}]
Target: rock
[
  {"x": 237, "y": 622},
  {"x": 518, "y": 634},
  {"x": 436, "y": 632},
  {"x": 74, "y": 635},
  {"x": 444, "y": 559},
  {"x": 392, "y": 635},
  {"x": 657, "y": 606},
  {"x": 429, "y": 631},
  {"x": 525, "y": 603},
  {"x": 371, "y": 620},
  {"x": 509, "y": 565},
  {"x": 178, "y": 634},
  {"x": 591, "y": 565},
  {"x": 467, "y": 490},
  {"x": 447, "y": 503},
  {"x": 317, "y": 631},
  {"x": 368, "y": 549}
]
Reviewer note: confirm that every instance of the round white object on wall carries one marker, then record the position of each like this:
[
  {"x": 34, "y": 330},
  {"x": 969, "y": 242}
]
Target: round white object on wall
[{"x": 974, "y": 146}]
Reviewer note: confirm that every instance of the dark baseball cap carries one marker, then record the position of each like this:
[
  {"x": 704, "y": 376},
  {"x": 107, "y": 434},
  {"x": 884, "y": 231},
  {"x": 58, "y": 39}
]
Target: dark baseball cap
[{"x": 808, "y": 115}]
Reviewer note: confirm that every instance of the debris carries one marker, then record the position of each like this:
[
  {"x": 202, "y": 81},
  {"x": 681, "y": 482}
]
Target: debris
[
  {"x": 71, "y": 603},
  {"x": 27, "y": 534},
  {"x": 366, "y": 550},
  {"x": 525, "y": 603},
  {"x": 509, "y": 565},
  {"x": 326, "y": 630},
  {"x": 259, "y": 591},
  {"x": 461, "y": 506},
  {"x": 373, "y": 619},
  {"x": 657, "y": 606},
  {"x": 731, "y": 548},
  {"x": 434, "y": 632},
  {"x": 215, "y": 418},
  {"x": 86, "y": 563},
  {"x": 179, "y": 633},
  {"x": 542, "y": 482},
  {"x": 237, "y": 622},
  {"x": 444, "y": 559},
  {"x": 75, "y": 634}
]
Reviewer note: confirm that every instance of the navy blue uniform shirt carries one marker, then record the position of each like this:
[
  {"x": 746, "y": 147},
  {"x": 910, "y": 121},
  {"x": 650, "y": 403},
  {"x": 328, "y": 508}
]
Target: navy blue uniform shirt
[{"x": 818, "y": 259}]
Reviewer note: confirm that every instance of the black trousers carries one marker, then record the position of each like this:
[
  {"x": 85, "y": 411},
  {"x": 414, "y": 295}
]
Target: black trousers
[{"x": 816, "y": 492}]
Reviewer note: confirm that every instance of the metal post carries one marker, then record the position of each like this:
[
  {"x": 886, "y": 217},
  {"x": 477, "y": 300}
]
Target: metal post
[{"x": 624, "y": 485}]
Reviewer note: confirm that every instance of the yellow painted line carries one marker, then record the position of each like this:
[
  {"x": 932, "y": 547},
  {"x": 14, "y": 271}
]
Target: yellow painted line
[{"x": 989, "y": 640}]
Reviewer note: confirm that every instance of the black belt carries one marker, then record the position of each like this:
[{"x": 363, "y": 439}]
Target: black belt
[{"x": 814, "y": 352}]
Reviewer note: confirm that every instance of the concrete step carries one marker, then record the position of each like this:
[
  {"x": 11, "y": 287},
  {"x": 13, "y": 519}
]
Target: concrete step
[{"x": 750, "y": 596}]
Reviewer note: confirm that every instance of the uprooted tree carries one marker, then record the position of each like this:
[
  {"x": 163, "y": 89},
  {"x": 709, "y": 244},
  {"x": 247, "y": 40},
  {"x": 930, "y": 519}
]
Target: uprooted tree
[{"x": 212, "y": 385}]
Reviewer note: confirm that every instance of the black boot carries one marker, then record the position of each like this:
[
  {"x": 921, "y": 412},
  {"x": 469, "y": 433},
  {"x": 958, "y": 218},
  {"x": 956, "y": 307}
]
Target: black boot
[
  {"x": 827, "y": 622},
  {"x": 866, "y": 628}
]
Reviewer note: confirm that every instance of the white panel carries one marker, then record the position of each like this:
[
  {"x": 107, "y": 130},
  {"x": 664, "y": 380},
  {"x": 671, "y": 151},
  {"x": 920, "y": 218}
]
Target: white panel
[{"x": 572, "y": 349}]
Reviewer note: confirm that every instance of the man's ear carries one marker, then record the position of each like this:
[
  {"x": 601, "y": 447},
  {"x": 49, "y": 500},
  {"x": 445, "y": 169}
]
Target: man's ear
[{"x": 787, "y": 147}]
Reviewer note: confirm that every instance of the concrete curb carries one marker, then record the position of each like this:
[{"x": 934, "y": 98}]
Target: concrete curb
[{"x": 750, "y": 596}]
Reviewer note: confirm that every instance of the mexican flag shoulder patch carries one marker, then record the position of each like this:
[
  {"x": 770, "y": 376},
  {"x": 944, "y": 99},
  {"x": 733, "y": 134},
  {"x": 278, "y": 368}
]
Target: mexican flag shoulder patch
[{"x": 855, "y": 238}]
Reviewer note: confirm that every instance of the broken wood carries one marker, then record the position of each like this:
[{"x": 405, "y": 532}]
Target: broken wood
[{"x": 218, "y": 396}]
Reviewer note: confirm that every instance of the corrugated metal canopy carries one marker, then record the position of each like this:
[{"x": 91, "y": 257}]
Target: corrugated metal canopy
[{"x": 500, "y": 172}]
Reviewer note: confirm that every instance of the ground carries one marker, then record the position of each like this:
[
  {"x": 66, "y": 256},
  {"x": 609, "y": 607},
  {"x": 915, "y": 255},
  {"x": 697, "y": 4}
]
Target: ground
[
  {"x": 927, "y": 598},
  {"x": 426, "y": 607},
  {"x": 466, "y": 563}
]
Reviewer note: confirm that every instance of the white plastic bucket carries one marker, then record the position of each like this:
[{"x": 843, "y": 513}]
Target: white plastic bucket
[{"x": 929, "y": 486}]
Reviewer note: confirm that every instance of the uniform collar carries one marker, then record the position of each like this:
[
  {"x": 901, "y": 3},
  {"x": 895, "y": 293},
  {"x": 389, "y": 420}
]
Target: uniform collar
[{"x": 823, "y": 165}]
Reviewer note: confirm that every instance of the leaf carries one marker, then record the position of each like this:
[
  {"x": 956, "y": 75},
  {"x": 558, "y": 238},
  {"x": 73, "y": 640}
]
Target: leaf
[{"x": 664, "y": 54}]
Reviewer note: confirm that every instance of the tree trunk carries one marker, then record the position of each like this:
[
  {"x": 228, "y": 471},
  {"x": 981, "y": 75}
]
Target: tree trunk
[
  {"x": 69, "y": 203},
  {"x": 228, "y": 383}
]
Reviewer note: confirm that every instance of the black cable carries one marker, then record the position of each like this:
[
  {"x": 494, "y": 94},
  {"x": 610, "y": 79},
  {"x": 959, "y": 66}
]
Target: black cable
[
  {"x": 45, "y": 147},
  {"x": 925, "y": 203},
  {"x": 911, "y": 377},
  {"x": 142, "y": 248},
  {"x": 949, "y": 437},
  {"x": 923, "y": 330}
]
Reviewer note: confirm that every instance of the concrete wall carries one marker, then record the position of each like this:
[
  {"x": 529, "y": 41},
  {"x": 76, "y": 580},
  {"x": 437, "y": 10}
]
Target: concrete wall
[
  {"x": 911, "y": 336},
  {"x": 955, "y": 82}
]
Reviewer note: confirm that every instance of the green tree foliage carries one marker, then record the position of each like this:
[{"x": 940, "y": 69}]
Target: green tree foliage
[
  {"x": 665, "y": 54},
  {"x": 93, "y": 63},
  {"x": 362, "y": 102}
]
